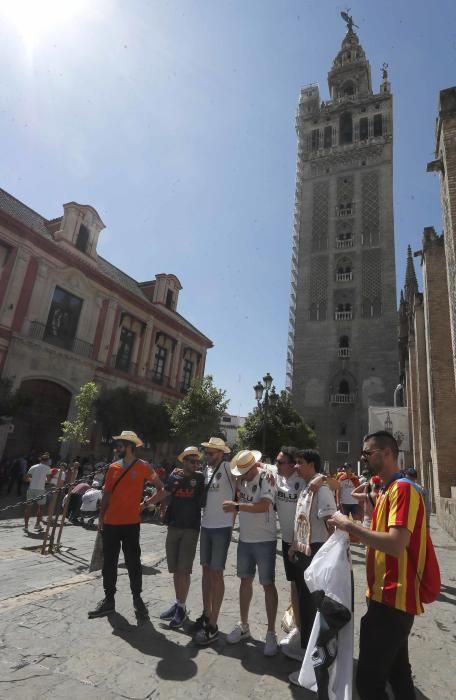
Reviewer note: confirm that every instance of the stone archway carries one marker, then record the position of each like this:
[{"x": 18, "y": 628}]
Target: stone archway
[{"x": 44, "y": 405}]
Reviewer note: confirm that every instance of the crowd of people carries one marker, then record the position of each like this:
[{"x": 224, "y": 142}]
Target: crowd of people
[{"x": 383, "y": 510}]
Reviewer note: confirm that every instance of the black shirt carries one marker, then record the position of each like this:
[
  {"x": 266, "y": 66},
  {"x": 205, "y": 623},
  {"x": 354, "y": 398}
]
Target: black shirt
[{"x": 184, "y": 509}]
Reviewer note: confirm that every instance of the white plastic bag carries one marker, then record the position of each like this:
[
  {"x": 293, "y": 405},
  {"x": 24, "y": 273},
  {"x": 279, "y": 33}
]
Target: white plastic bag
[{"x": 330, "y": 571}]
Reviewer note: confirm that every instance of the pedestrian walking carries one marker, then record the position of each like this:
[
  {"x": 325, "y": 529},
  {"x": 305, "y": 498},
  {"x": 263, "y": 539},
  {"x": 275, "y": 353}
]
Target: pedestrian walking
[
  {"x": 37, "y": 476},
  {"x": 185, "y": 489},
  {"x": 216, "y": 529},
  {"x": 394, "y": 565},
  {"x": 17, "y": 474},
  {"x": 310, "y": 532},
  {"x": 348, "y": 481},
  {"x": 366, "y": 494},
  {"x": 257, "y": 543},
  {"x": 119, "y": 521}
]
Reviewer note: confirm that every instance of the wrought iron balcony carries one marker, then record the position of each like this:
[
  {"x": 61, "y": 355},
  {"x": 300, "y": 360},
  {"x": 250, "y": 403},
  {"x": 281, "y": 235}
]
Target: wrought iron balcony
[
  {"x": 343, "y": 315},
  {"x": 40, "y": 331},
  {"x": 342, "y": 211},
  {"x": 344, "y": 276},
  {"x": 122, "y": 365},
  {"x": 158, "y": 378},
  {"x": 342, "y": 398},
  {"x": 344, "y": 242},
  {"x": 344, "y": 352}
]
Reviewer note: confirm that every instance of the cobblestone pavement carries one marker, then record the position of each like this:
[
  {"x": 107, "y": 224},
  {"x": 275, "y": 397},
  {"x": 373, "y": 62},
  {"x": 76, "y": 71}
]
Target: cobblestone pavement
[{"x": 50, "y": 650}]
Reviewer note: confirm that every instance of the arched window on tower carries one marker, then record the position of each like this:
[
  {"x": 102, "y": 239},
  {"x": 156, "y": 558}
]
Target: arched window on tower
[
  {"x": 378, "y": 125},
  {"x": 345, "y": 128},
  {"x": 344, "y": 341},
  {"x": 344, "y": 387},
  {"x": 82, "y": 241},
  {"x": 348, "y": 88},
  {"x": 363, "y": 129}
]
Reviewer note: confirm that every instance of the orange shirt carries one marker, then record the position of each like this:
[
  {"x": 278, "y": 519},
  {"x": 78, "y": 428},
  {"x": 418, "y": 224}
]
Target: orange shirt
[
  {"x": 124, "y": 506},
  {"x": 395, "y": 581}
]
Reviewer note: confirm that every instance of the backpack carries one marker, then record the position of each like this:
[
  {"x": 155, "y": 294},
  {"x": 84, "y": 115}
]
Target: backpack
[{"x": 430, "y": 582}]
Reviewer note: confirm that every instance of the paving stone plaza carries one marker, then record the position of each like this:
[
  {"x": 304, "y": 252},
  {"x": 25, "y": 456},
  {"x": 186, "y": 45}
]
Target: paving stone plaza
[{"x": 51, "y": 650}]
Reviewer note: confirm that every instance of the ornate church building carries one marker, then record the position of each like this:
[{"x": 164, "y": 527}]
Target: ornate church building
[{"x": 342, "y": 354}]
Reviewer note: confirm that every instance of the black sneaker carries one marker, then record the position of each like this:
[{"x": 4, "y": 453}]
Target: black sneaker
[
  {"x": 140, "y": 608},
  {"x": 169, "y": 614},
  {"x": 206, "y": 635},
  {"x": 179, "y": 618},
  {"x": 104, "y": 607},
  {"x": 200, "y": 623}
]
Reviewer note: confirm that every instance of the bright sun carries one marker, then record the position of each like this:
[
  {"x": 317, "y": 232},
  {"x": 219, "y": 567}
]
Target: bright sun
[{"x": 34, "y": 19}]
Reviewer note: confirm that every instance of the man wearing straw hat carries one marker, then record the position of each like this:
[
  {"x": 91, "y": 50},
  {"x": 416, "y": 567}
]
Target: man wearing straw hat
[
  {"x": 216, "y": 528},
  {"x": 257, "y": 543},
  {"x": 183, "y": 516},
  {"x": 119, "y": 521}
]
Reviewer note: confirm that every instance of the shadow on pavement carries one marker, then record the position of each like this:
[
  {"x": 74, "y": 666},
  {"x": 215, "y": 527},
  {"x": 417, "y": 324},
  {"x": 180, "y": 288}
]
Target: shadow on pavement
[
  {"x": 176, "y": 662},
  {"x": 445, "y": 592}
]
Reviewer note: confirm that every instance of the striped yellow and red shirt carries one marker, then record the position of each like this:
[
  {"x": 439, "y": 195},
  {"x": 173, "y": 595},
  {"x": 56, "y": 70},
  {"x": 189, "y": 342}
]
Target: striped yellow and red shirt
[{"x": 395, "y": 581}]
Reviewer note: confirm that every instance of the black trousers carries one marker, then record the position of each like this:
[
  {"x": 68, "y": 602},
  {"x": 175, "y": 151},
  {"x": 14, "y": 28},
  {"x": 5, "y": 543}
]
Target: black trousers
[
  {"x": 307, "y": 609},
  {"x": 383, "y": 654},
  {"x": 75, "y": 500},
  {"x": 113, "y": 537},
  {"x": 16, "y": 480}
]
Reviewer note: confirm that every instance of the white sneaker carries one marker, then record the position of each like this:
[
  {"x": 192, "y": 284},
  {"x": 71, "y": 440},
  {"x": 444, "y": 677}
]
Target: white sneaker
[
  {"x": 294, "y": 678},
  {"x": 239, "y": 633},
  {"x": 270, "y": 645},
  {"x": 291, "y": 638}
]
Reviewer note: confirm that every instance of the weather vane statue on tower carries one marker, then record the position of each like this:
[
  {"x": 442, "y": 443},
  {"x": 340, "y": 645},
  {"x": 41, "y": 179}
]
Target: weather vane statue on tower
[{"x": 349, "y": 21}]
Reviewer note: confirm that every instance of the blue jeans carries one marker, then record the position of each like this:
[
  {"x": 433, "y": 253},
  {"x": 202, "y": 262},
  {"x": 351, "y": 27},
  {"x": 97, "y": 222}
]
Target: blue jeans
[
  {"x": 251, "y": 555},
  {"x": 214, "y": 544}
]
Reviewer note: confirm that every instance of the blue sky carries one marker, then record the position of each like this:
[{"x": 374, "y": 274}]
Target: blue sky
[{"x": 175, "y": 120}]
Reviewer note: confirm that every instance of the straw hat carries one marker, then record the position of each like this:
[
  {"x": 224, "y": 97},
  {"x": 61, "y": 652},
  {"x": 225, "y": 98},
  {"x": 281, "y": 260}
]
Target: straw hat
[
  {"x": 129, "y": 436},
  {"x": 243, "y": 461},
  {"x": 217, "y": 444},
  {"x": 189, "y": 451}
]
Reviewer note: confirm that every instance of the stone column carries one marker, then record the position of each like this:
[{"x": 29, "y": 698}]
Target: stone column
[{"x": 424, "y": 457}]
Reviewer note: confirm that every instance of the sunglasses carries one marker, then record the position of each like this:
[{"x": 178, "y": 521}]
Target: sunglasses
[
  {"x": 368, "y": 453},
  {"x": 192, "y": 461}
]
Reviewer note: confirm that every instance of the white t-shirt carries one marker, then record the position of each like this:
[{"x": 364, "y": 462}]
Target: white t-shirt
[
  {"x": 288, "y": 491},
  {"x": 223, "y": 488},
  {"x": 90, "y": 500},
  {"x": 257, "y": 527},
  {"x": 323, "y": 506},
  {"x": 346, "y": 487},
  {"x": 38, "y": 473}
]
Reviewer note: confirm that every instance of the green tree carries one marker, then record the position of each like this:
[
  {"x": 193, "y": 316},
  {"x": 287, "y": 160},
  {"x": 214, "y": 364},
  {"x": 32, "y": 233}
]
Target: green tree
[
  {"x": 77, "y": 430},
  {"x": 129, "y": 409},
  {"x": 197, "y": 416},
  {"x": 284, "y": 426}
]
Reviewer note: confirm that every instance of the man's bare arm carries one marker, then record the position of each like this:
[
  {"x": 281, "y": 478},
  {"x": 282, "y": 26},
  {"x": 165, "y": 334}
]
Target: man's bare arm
[{"x": 393, "y": 542}]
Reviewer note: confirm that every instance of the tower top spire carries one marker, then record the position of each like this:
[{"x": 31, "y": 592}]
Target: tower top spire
[
  {"x": 411, "y": 283},
  {"x": 350, "y": 72}
]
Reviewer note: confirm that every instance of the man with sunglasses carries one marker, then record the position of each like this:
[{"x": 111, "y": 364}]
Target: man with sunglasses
[
  {"x": 119, "y": 521},
  {"x": 183, "y": 516},
  {"x": 396, "y": 552}
]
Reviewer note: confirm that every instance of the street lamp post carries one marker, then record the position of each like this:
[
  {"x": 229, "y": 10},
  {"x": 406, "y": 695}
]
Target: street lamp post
[{"x": 264, "y": 404}]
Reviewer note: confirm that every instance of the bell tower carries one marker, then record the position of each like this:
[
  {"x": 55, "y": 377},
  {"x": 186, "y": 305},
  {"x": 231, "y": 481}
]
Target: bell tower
[{"x": 342, "y": 353}]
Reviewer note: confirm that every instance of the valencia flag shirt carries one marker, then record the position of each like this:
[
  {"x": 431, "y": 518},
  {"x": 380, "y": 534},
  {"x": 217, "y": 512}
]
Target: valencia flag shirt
[{"x": 395, "y": 581}]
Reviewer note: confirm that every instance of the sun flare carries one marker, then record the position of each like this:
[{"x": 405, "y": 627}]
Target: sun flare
[{"x": 34, "y": 20}]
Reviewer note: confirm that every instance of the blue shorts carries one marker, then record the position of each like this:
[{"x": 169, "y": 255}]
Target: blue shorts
[
  {"x": 251, "y": 555},
  {"x": 214, "y": 544}
]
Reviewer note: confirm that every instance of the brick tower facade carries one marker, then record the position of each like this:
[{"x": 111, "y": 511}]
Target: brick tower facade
[{"x": 342, "y": 354}]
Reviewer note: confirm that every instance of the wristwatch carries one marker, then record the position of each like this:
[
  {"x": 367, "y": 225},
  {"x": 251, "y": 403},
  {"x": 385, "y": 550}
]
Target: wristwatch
[{"x": 237, "y": 507}]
